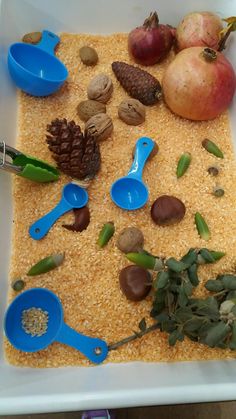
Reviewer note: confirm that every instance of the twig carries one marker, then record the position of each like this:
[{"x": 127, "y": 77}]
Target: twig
[
  {"x": 133, "y": 337},
  {"x": 224, "y": 38}
]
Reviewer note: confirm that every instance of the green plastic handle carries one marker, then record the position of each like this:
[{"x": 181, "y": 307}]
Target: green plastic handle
[{"x": 35, "y": 169}]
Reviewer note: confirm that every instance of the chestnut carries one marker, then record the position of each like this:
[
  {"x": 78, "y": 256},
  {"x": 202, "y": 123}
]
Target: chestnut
[
  {"x": 167, "y": 210},
  {"x": 135, "y": 282}
]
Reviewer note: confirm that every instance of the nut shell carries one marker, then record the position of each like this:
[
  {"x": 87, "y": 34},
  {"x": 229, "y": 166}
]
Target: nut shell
[
  {"x": 88, "y": 108},
  {"x": 100, "y": 88},
  {"x": 99, "y": 126},
  {"x": 132, "y": 112},
  {"x": 32, "y": 38},
  {"x": 88, "y": 55},
  {"x": 130, "y": 239},
  {"x": 167, "y": 210},
  {"x": 135, "y": 282}
]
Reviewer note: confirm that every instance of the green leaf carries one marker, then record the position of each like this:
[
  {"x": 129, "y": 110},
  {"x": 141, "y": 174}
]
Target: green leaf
[
  {"x": 229, "y": 281},
  {"x": 202, "y": 227},
  {"x": 190, "y": 257},
  {"x": 142, "y": 325},
  {"x": 216, "y": 334},
  {"x": 183, "y": 314},
  {"x": 232, "y": 344},
  {"x": 207, "y": 256},
  {"x": 175, "y": 336},
  {"x": 162, "y": 279},
  {"x": 214, "y": 285},
  {"x": 175, "y": 265},
  {"x": 231, "y": 295},
  {"x": 207, "y": 307},
  {"x": 168, "y": 326},
  {"x": 182, "y": 298},
  {"x": 192, "y": 274},
  {"x": 193, "y": 324},
  {"x": 188, "y": 288}
]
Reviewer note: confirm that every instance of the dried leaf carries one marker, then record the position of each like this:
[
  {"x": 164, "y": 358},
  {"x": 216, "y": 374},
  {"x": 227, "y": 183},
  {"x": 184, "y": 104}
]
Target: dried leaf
[
  {"x": 214, "y": 285},
  {"x": 216, "y": 334},
  {"x": 175, "y": 265},
  {"x": 162, "y": 279},
  {"x": 142, "y": 325},
  {"x": 231, "y": 19},
  {"x": 192, "y": 274},
  {"x": 190, "y": 257}
]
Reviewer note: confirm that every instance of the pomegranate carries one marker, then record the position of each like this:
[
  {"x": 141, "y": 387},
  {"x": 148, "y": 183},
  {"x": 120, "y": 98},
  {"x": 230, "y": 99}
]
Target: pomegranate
[
  {"x": 199, "y": 29},
  {"x": 151, "y": 42},
  {"x": 199, "y": 83}
]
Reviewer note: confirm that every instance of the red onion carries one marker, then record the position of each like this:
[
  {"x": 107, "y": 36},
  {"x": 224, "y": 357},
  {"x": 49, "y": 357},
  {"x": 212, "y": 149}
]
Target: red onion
[
  {"x": 151, "y": 42},
  {"x": 199, "y": 84},
  {"x": 199, "y": 29}
]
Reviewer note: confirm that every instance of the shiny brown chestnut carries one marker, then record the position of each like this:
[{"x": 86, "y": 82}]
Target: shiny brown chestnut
[
  {"x": 135, "y": 282},
  {"x": 167, "y": 210},
  {"x": 82, "y": 220}
]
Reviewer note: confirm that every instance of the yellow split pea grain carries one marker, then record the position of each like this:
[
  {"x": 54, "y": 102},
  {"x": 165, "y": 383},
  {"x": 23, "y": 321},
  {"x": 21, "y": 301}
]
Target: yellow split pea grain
[{"x": 87, "y": 282}]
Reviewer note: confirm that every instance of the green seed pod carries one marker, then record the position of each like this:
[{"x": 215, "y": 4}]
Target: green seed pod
[
  {"x": 46, "y": 264},
  {"x": 212, "y": 148},
  {"x": 145, "y": 261},
  {"x": 217, "y": 255},
  {"x": 192, "y": 274},
  {"x": 214, "y": 285},
  {"x": 18, "y": 285},
  {"x": 202, "y": 227},
  {"x": 175, "y": 265},
  {"x": 106, "y": 234},
  {"x": 183, "y": 164}
]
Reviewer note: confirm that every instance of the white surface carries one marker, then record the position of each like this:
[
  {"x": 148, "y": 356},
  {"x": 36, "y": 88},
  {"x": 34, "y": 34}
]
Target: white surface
[{"x": 136, "y": 384}]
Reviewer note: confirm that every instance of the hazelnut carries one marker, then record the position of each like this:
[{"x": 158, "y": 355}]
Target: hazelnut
[
  {"x": 100, "y": 88},
  {"x": 88, "y": 55},
  {"x": 100, "y": 126},
  {"x": 167, "y": 210},
  {"x": 135, "y": 282},
  {"x": 130, "y": 240}
]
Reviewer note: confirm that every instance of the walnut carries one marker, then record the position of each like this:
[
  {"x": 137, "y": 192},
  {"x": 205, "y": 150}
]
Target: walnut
[
  {"x": 100, "y": 88},
  {"x": 100, "y": 126},
  {"x": 88, "y": 108},
  {"x": 132, "y": 111}
]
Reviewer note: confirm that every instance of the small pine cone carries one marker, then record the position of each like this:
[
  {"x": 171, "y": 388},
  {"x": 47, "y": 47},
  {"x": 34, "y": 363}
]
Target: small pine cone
[
  {"x": 138, "y": 83},
  {"x": 76, "y": 154}
]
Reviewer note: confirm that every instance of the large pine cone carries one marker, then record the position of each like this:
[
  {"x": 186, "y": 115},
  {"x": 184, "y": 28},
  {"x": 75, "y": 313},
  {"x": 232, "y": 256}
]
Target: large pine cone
[{"x": 76, "y": 154}]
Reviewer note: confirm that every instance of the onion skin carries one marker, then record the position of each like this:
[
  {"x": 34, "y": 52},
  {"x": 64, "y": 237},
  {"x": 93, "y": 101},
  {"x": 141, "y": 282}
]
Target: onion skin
[
  {"x": 150, "y": 43},
  {"x": 198, "y": 88},
  {"x": 199, "y": 29}
]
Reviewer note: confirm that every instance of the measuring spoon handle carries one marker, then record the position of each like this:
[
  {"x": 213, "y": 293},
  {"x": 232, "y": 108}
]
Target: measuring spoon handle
[
  {"x": 41, "y": 227},
  {"x": 48, "y": 42},
  {"x": 143, "y": 149},
  {"x": 94, "y": 349}
]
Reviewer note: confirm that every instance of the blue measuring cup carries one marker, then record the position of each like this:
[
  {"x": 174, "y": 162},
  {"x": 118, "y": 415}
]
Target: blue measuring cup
[
  {"x": 34, "y": 68},
  {"x": 94, "y": 349},
  {"x": 73, "y": 196},
  {"x": 130, "y": 192}
]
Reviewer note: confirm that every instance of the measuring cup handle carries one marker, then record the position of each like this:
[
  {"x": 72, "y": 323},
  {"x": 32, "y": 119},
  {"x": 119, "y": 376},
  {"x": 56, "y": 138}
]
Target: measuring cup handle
[
  {"x": 85, "y": 344},
  {"x": 41, "y": 227},
  {"x": 143, "y": 149},
  {"x": 48, "y": 42}
]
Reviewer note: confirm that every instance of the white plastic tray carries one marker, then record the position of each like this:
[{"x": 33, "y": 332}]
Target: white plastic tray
[{"x": 133, "y": 384}]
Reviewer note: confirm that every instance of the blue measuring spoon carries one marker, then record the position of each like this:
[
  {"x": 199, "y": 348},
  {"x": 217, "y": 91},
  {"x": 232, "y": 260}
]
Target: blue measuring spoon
[
  {"x": 73, "y": 196},
  {"x": 34, "y": 68},
  {"x": 130, "y": 192},
  {"x": 94, "y": 349}
]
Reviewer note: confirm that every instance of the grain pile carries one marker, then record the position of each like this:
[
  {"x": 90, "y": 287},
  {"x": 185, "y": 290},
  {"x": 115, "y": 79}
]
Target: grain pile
[{"x": 87, "y": 282}]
